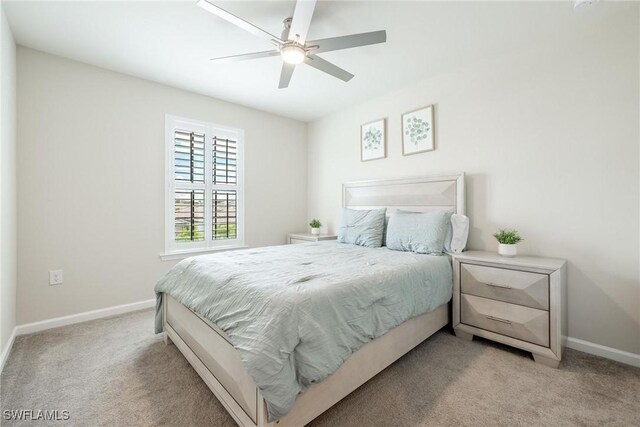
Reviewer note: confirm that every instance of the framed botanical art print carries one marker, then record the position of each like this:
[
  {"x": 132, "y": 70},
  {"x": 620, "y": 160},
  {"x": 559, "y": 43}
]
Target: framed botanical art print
[
  {"x": 373, "y": 141},
  {"x": 418, "y": 131}
]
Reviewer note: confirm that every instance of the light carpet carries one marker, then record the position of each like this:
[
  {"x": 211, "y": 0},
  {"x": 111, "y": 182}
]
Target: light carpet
[{"x": 116, "y": 372}]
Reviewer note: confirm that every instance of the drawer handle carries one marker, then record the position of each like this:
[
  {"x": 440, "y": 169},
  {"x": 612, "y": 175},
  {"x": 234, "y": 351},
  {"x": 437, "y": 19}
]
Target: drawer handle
[
  {"x": 497, "y": 319},
  {"x": 496, "y": 285}
]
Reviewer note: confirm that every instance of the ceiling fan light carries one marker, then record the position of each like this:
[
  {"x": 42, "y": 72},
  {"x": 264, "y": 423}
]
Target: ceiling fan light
[{"x": 292, "y": 54}]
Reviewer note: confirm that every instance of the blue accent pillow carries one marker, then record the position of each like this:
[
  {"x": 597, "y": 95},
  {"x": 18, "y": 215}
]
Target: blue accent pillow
[
  {"x": 419, "y": 232},
  {"x": 362, "y": 227}
]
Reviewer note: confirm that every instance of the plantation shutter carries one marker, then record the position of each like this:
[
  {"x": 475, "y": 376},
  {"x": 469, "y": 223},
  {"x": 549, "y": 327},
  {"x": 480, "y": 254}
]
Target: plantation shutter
[
  {"x": 225, "y": 167},
  {"x": 189, "y": 156},
  {"x": 205, "y": 192},
  {"x": 189, "y": 161},
  {"x": 224, "y": 175}
]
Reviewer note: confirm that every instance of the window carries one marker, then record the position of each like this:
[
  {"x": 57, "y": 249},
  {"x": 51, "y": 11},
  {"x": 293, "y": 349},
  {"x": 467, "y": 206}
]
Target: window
[{"x": 204, "y": 201}]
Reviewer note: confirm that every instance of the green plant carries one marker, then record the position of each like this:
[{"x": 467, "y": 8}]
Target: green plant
[
  {"x": 507, "y": 236},
  {"x": 315, "y": 223}
]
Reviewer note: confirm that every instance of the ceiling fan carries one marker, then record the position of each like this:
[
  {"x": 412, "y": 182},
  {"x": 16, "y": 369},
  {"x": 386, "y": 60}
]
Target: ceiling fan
[{"x": 293, "y": 46}]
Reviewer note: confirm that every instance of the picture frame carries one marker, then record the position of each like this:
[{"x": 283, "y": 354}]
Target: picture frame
[
  {"x": 373, "y": 140},
  {"x": 418, "y": 131}
]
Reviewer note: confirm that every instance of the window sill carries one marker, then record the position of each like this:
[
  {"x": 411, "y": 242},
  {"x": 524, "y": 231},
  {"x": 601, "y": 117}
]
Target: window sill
[{"x": 171, "y": 256}]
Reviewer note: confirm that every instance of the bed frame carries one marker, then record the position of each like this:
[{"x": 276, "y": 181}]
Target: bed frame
[{"x": 209, "y": 351}]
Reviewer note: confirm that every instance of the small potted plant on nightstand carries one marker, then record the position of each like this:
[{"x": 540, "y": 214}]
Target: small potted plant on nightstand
[
  {"x": 315, "y": 225},
  {"x": 507, "y": 239}
]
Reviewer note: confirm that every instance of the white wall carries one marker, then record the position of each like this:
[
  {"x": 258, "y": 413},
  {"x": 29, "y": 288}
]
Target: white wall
[
  {"x": 8, "y": 250},
  {"x": 549, "y": 138},
  {"x": 91, "y": 181}
]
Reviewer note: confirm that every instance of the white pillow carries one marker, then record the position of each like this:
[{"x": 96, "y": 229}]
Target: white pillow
[{"x": 457, "y": 234}]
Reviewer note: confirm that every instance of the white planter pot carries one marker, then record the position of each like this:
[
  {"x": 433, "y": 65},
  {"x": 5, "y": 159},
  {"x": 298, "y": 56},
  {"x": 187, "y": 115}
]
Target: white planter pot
[
  {"x": 507, "y": 250},
  {"x": 315, "y": 231}
]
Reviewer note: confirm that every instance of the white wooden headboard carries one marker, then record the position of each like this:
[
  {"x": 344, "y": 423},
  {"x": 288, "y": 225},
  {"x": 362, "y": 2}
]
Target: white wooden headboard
[{"x": 424, "y": 194}]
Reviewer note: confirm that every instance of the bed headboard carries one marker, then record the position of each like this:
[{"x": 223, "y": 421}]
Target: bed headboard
[{"x": 424, "y": 194}]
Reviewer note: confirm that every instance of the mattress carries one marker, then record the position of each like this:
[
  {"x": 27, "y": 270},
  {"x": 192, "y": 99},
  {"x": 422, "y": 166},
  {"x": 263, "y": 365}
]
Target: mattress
[{"x": 295, "y": 313}]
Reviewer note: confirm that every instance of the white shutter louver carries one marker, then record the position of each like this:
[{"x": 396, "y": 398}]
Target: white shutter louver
[
  {"x": 189, "y": 215},
  {"x": 189, "y": 156},
  {"x": 225, "y": 161},
  {"x": 224, "y": 214}
]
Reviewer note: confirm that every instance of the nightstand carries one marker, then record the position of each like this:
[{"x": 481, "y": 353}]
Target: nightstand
[
  {"x": 517, "y": 301},
  {"x": 294, "y": 238}
]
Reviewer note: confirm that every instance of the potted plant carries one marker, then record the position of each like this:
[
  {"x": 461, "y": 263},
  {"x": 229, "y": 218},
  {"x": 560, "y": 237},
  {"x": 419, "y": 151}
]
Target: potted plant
[
  {"x": 315, "y": 225},
  {"x": 507, "y": 239}
]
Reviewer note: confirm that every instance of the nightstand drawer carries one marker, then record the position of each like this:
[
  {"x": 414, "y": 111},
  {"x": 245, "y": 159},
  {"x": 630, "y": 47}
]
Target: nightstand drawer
[
  {"x": 516, "y": 321},
  {"x": 293, "y": 241},
  {"x": 294, "y": 238},
  {"x": 517, "y": 287}
]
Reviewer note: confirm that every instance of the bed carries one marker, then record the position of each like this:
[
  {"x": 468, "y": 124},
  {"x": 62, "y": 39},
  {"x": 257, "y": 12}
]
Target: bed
[{"x": 302, "y": 277}]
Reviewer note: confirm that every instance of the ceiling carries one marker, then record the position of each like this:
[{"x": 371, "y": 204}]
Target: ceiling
[{"x": 171, "y": 43}]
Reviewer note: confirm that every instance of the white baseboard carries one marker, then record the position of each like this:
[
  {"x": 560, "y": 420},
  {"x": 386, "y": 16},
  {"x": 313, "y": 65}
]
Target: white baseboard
[
  {"x": 603, "y": 351},
  {"x": 30, "y": 328},
  {"x": 5, "y": 351}
]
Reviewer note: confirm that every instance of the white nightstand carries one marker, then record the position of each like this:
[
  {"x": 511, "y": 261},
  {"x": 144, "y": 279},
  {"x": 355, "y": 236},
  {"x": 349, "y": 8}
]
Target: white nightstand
[
  {"x": 294, "y": 238},
  {"x": 518, "y": 301}
]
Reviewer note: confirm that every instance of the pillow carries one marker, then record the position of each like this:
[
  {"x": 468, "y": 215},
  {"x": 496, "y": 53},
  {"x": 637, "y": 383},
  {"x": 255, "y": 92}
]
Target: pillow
[
  {"x": 423, "y": 233},
  {"x": 457, "y": 234},
  {"x": 384, "y": 229},
  {"x": 362, "y": 227}
]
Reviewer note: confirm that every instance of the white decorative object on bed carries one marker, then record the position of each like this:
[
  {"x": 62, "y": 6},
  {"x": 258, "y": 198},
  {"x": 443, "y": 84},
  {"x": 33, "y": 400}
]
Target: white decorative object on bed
[
  {"x": 209, "y": 349},
  {"x": 456, "y": 240}
]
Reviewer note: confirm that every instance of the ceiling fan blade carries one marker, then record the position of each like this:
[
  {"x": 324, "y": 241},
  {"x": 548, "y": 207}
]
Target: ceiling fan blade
[
  {"x": 347, "y": 42},
  {"x": 326, "y": 66},
  {"x": 245, "y": 56},
  {"x": 230, "y": 17},
  {"x": 301, "y": 20},
  {"x": 285, "y": 75}
]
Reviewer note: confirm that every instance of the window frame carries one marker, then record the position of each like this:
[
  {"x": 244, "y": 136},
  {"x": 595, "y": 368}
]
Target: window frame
[{"x": 174, "y": 249}]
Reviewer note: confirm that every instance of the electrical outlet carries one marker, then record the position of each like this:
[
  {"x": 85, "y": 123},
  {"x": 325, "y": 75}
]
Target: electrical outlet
[{"x": 55, "y": 277}]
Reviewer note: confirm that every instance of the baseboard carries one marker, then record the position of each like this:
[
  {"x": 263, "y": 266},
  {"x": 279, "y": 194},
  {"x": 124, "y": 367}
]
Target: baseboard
[
  {"x": 43, "y": 325},
  {"x": 603, "y": 351},
  {"x": 7, "y": 349},
  {"x": 29, "y": 328}
]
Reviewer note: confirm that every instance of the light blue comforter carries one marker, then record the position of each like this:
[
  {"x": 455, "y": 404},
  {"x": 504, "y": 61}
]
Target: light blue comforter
[{"x": 296, "y": 312}]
